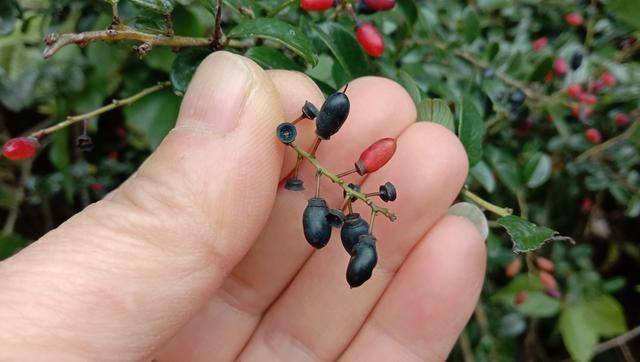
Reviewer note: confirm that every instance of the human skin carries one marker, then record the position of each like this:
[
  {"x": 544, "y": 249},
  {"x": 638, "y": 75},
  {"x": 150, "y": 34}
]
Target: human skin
[{"x": 200, "y": 254}]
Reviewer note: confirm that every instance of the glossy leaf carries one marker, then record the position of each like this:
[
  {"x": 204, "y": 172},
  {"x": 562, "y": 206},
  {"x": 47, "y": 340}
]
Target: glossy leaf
[
  {"x": 184, "y": 66},
  {"x": 279, "y": 32},
  {"x": 9, "y": 13},
  {"x": 437, "y": 111},
  {"x": 471, "y": 25},
  {"x": 506, "y": 168},
  {"x": 153, "y": 116},
  {"x": 526, "y": 236},
  {"x": 343, "y": 45},
  {"x": 410, "y": 85},
  {"x": 539, "y": 305},
  {"x": 159, "y": 6},
  {"x": 483, "y": 174},
  {"x": 577, "y": 334},
  {"x": 471, "y": 130},
  {"x": 270, "y": 58},
  {"x": 537, "y": 170}
]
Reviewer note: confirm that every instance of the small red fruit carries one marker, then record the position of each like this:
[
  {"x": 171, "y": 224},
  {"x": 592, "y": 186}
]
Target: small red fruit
[
  {"x": 376, "y": 156},
  {"x": 539, "y": 43},
  {"x": 370, "y": 39},
  {"x": 574, "y": 19},
  {"x": 316, "y": 5},
  {"x": 586, "y": 206},
  {"x": 521, "y": 297},
  {"x": 96, "y": 187},
  {"x": 545, "y": 264},
  {"x": 548, "y": 280},
  {"x": 581, "y": 112},
  {"x": 596, "y": 86},
  {"x": 20, "y": 148},
  {"x": 513, "y": 268},
  {"x": 560, "y": 67},
  {"x": 574, "y": 90},
  {"x": 593, "y": 135},
  {"x": 380, "y": 5},
  {"x": 608, "y": 79},
  {"x": 621, "y": 119},
  {"x": 588, "y": 98}
]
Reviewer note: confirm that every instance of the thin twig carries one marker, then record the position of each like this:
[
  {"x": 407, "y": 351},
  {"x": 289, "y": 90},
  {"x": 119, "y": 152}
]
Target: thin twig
[
  {"x": 337, "y": 180},
  {"x": 617, "y": 341},
  {"x": 218, "y": 35},
  {"x": 12, "y": 217},
  {"x": 500, "y": 211},
  {"x": 598, "y": 149},
  {"x": 115, "y": 104}
]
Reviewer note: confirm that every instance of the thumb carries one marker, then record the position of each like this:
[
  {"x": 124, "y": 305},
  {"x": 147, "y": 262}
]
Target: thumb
[{"x": 121, "y": 277}]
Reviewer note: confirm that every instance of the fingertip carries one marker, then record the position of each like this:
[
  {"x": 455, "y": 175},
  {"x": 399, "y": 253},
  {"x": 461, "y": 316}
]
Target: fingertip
[{"x": 372, "y": 89}]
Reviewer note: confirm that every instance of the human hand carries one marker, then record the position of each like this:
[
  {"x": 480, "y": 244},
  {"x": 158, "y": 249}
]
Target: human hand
[{"x": 201, "y": 256}]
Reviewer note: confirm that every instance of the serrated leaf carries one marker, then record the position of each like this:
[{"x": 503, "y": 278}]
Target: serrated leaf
[
  {"x": 345, "y": 48},
  {"x": 471, "y": 130},
  {"x": 437, "y": 111},
  {"x": 471, "y": 26},
  {"x": 164, "y": 7},
  {"x": 410, "y": 86},
  {"x": 537, "y": 170},
  {"x": 525, "y": 235},
  {"x": 280, "y": 32},
  {"x": 578, "y": 336},
  {"x": 184, "y": 66},
  {"x": 270, "y": 58}
]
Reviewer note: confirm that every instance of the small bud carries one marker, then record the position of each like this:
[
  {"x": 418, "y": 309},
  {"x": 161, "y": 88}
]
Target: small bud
[
  {"x": 545, "y": 264},
  {"x": 548, "y": 280}
]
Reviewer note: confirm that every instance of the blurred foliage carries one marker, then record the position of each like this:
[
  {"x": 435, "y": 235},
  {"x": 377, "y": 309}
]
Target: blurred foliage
[{"x": 467, "y": 65}]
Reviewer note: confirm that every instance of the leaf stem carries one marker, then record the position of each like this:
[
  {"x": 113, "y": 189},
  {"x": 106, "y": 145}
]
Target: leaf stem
[
  {"x": 375, "y": 209},
  {"x": 114, "y": 104},
  {"x": 500, "y": 211}
]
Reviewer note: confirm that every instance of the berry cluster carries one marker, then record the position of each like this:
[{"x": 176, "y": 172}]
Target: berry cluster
[
  {"x": 318, "y": 219},
  {"x": 544, "y": 268},
  {"x": 367, "y": 33}
]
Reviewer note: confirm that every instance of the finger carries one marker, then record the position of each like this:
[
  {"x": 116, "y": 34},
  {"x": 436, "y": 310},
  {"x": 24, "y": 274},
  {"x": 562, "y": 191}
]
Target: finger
[
  {"x": 430, "y": 300},
  {"x": 218, "y": 326},
  {"x": 281, "y": 249},
  {"x": 428, "y": 170},
  {"x": 121, "y": 277}
]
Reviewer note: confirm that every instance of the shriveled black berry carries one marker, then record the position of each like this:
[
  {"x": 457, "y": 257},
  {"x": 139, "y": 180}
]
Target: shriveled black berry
[
  {"x": 84, "y": 143},
  {"x": 362, "y": 8},
  {"x": 315, "y": 224},
  {"x": 353, "y": 187},
  {"x": 362, "y": 262},
  {"x": 294, "y": 184},
  {"x": 517, "y": 98},
  {"x": 576, "y": 60},
  {"x": 388, "y": 192},
  {"x": 354, "y": 227},
  {"x": 286, "y": 132},
  {"x": 335, "y": 217},
  {"x": 332, "y": 115},
  {"x": 310, "y": 110}
]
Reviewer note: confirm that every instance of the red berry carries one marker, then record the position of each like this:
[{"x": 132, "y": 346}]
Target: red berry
[
  {"x": 316, "y": 5},
  {"x": 548, "y": 280},
  {"x": 380, "y": 5},
  {"x": 96, "y": 187},
  {"x": 574, "y": 90},
  {"x": 560, "y": 67},
  {"x": 588, "y": 98},
  {"x": 539, "y": 43},
  {"x": 545, "y": 264},
  {"x": 608, "y": 79},
  {"x": 593, "y": 135},
  {"x": 370, "y": 39},
  {"x": 621, "y": 119},
  {"x": 587, "y": 205},
  {"x": 597, "y": 86},
  {"x": 574, "y": 19},
  {"x": 581, "y": 112},
  {"x": 513, "y": 268},
  {"x": 376, "y": 156},
  {"x": 548, "y": 78},
  {"x": 520, "y": 297},
  {"x": 20, "y": 148}
]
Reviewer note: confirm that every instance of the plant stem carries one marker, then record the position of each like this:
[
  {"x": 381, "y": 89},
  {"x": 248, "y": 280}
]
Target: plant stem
[
  {"x": 617, "y": 341},
  {"x": 115, "y": 104},
  {"x": 500, "y": 211},
  {"x": 337, "y": 180},
  {"x": 598, "y": 149}
]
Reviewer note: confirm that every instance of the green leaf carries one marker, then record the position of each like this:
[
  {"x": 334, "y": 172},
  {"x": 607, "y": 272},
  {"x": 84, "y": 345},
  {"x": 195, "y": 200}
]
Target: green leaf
[
  {"x": 526, "y": 236},
  {"x": 482, "y": 173},
  {"x": 153, "y": 116},
  {"x": 437, "y": 111},
  {"x": 522, "y": 282},
  {"x": 633, "y": 208},
  {"x": 471, "y": 26},
  {"x": 270, "y": 58},
  {"x": 9, "y": 13},
  {"x": 627, "y": 10},
  {"x": 344, "y": 46},
  {"x": 184, "y": 66},
  {"x": 11, "y": 244},
  {"x": 506, "y": 168},
  {"x": 577, "y": 334},
  {"x": 539, "y": 305},
  {"x": 280, "y": 32},
  {"x": 471, "y": 130},
  {"x": 605, "y": 316},
  {"x": 210, "y": 5},
  {"x": 537, "y": 170},
  {"x": 540, "y": 70},
  {"x": 410, "y": 10},
  {"x": 410, "y": 85},
  {"x": 164, "y": 7}
]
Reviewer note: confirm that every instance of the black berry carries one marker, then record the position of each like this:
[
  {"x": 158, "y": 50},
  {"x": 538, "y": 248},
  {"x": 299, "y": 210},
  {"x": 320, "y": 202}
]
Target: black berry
[
  {"x": 517, "y": 98},
  {"x": 84, "y": 143},
  {"x": 335, "y": 217},
  {"x": 576, "y": 60},
  {"x": 294, "y": 184},
  {"x": 310, "y": 110},
  {"x": 332, "y": 115},
  {"x": 315, "y": 223},
  {"x": 388, "y": 192},
  {"x": 286, "y": 132},
  {"x": 354, "y": 227},
  {"x": 362, "y": 262}
]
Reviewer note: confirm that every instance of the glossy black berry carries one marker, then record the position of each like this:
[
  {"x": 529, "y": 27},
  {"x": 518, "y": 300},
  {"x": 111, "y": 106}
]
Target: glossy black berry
[
  {"x": 336, "y": 218},
  {"x": 354, "y": 227},
  {"x": 353, "y": 187},
  {"x": 517, "y": 98},
  {"x": 332, "y": 115},
  {"x": 315, "y": 223},
  {"x": 362, "y": 262},
  {"x": 286, "y": 132},
  {"x": 310, "y": 110},
  {"x": 388, "y": 192},
  {"x": 576, "y": 60},
  {"x": 84, "y": 143},
  {"x": 294, "y": 184}
]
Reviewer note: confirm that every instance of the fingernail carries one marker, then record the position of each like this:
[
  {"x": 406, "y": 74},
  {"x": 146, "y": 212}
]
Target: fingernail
[
  {"x": 472, "y": 213},
  {"x": 217, "y": 94}
]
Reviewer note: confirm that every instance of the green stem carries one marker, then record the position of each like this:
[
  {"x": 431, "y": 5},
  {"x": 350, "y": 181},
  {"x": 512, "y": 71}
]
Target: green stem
[{"x": 500, "y": 211}]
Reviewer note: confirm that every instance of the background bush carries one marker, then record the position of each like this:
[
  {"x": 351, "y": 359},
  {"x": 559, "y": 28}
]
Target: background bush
[{"x": 465, "y": 63}]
